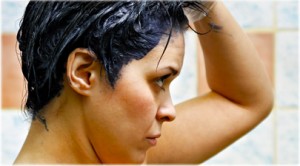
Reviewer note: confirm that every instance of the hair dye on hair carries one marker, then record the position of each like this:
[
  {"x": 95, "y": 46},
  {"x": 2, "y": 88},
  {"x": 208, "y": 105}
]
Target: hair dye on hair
[{"x": 117, "y": 32}]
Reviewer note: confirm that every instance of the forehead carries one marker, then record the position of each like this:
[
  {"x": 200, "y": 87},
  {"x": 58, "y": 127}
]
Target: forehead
[{"x": 173, "y": 55}]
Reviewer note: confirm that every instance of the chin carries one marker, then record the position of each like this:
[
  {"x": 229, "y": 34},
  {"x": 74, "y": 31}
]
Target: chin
[
  {"x": 133, "y": 159},
  {"x": 138, "y": 158}
]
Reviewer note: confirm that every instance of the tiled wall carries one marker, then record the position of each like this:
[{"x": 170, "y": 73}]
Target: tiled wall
[{"x": 273, "y": 28}]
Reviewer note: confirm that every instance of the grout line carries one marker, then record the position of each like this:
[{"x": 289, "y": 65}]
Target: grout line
[
  {"x": 286, "y": 108},
  {"x": 271, "y": 30}
]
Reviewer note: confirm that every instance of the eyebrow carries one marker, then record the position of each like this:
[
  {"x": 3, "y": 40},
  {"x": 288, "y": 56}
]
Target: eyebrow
[{"x": 173, "y": 70}]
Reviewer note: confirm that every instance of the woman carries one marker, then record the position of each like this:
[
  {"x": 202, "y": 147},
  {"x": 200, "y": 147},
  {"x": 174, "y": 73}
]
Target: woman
[{"x": 98, "y": 82}]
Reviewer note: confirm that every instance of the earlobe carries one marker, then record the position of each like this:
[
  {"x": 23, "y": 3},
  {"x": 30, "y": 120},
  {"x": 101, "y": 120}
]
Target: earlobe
[{"x": 81, "y": 70}]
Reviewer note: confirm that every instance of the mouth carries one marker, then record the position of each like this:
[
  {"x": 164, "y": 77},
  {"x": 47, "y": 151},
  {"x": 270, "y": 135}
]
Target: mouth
[{"x": 152, "y": 140}]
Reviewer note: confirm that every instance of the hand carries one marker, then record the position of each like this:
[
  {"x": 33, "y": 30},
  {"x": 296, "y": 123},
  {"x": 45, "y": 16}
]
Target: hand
[{"x": 196, "y": 10}]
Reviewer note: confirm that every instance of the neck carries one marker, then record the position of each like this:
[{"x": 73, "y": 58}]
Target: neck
[{"x": 65, "y": 141}]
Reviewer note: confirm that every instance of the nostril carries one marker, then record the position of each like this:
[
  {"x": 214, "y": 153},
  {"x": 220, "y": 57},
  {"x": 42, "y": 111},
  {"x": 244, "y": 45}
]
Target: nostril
[
  {"x": 167, "y": 119},
  {"x": 166, "y": 113}
]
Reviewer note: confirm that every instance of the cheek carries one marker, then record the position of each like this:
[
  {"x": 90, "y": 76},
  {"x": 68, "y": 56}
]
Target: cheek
[{"x": 139, "y": 104}]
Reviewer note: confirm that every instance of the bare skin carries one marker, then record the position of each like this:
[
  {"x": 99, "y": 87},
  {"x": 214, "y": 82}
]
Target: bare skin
[{"x": 87, "y": 125}]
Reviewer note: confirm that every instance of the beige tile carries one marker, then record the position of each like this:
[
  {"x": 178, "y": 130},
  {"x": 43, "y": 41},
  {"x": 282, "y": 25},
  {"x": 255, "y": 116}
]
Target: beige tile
[{"x": 12, "y": 78}]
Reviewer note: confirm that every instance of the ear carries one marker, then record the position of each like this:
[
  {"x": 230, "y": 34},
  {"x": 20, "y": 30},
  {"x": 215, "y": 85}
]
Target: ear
[{"x": 81, "y": 70}]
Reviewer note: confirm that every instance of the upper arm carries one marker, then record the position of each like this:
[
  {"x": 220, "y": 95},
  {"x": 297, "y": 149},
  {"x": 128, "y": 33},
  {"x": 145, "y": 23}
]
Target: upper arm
[{"x": 203, "y": 127}]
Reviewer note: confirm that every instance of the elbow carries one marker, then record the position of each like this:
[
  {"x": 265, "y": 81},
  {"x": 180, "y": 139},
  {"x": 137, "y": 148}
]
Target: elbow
[
  {"x": 270, "y": 102},
  {"x": 261, "y": 103},
  {"x": 265, "y": 103}
]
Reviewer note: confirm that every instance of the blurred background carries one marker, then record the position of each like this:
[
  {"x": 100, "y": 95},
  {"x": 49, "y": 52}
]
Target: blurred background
[{"x": 273, "y": 28}]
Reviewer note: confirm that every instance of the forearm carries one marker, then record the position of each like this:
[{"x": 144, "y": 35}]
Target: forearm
[{"x": 233, "y": 67}]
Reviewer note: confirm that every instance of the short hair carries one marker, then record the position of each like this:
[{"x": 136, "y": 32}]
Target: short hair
[{"x": 116, "y": 31}]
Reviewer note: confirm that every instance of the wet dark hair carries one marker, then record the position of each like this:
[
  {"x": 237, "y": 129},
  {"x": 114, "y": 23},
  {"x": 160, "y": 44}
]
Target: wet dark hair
[{"x": 116, "y": 31}]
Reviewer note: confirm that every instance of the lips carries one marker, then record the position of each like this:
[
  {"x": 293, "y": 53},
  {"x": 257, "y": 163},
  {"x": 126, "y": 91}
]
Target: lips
[{"x": 153, "y": 139}]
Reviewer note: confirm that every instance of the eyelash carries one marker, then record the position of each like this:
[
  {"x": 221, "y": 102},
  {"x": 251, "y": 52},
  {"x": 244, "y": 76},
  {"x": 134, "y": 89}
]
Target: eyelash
[{"x": 160, "y": 82}]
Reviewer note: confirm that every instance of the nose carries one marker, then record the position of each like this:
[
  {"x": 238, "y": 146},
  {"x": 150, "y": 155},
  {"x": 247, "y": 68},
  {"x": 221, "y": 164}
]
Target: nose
[{"x": 166, "y": 112}]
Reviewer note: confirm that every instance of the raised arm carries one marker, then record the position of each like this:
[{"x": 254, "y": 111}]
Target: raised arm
[{"x": 241, "y": 96}]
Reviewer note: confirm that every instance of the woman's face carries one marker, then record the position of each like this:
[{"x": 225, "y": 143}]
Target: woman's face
[{"x": 123, "y": 123}]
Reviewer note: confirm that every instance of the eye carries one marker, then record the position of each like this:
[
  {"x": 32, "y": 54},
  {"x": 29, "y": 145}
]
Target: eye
[{"x": 161, "y": 81}]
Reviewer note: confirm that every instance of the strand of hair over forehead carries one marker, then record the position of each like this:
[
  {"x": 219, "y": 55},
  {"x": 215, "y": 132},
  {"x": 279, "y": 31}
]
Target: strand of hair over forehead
[{"x": 168, "y": 40}]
